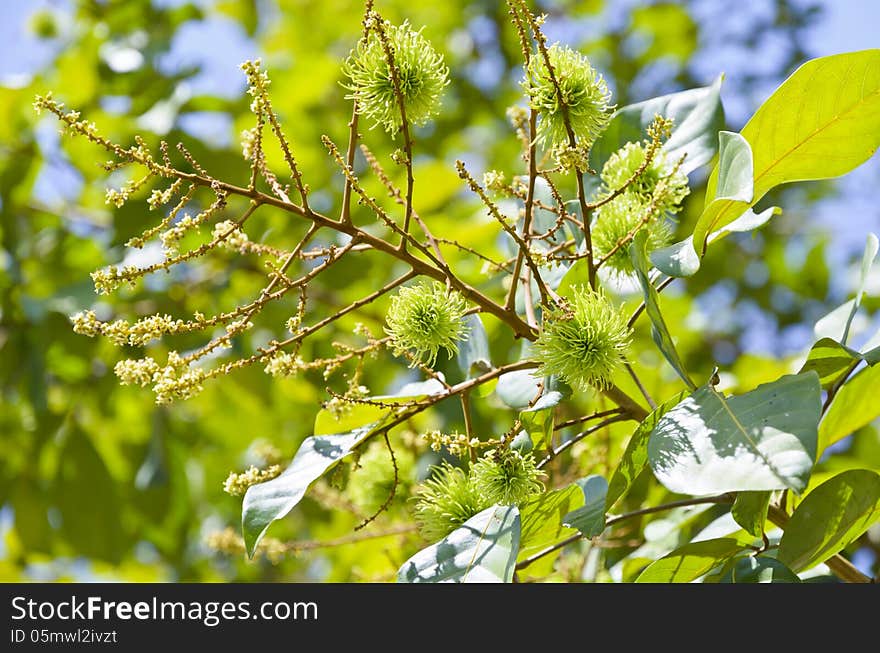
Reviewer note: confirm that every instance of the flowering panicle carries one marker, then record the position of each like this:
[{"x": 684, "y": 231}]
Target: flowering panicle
[
  {"x": 177, "y": 380},
  {"x": 284, "y": 363},
  {"x": 457, "y": 444},
  {"x": 119, "y": 197},
  {"x": 236, "y": 484},
  {"x": 258, "y": 86},
  {"x": 139, "y": 371}
]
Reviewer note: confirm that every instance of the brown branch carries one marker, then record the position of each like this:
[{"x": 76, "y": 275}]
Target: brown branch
[
  {"x": 404, "y": 123},
  {"x": 345, "y": 215},
  {"x": 527, "y": 219}
]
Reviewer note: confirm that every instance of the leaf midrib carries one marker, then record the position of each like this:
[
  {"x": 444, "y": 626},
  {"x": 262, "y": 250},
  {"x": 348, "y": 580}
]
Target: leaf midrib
[
  {"x": 754, "y": 445},
  {"x": 788, "y": 153},
  {"x": 812, "y": 135}
]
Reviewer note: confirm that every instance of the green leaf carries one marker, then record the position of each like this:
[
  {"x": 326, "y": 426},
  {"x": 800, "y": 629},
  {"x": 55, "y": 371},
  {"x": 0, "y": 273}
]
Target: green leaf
[
  {"x": 750, "y": 511},
  {"x": 538, "y": 420},
  {"x": 733, "y": 192},
  {"x": 830, "y": 360},
  {"x": 357, "y": 415},
  {"x": 473, "y": 353},
  {"x": 678, "y": 260},
  {"x": 854, "y": 406},
  {"x": 415, "y": 390},
  {"x": 634, "y": 459},
  {"x": 88, "y": 500},
  {"x": 681, "y": 259},
  {"x": 589, "y": 519},
  {"x": 689, "y": 562},
  {"x": 871, "y": 248},
  {"x": 832, "y": 324},
  {"x": 697, "y": 115},
  {"x": 517, "y": 389},
  {"x": 762, "y": 569},
  {"x": 748, "y": 221},
  {"x": 482, "y": 550},
  {"x": 830, "y": 517},
  {"x": 265, "y": 502},
  {"x": 659, "y": 331},
  {"x": 822, "y": 122},
  {"x": 542, "y": 526},
  {"x": 353, "y": 417},
  {"x": 761, "y": 440}
]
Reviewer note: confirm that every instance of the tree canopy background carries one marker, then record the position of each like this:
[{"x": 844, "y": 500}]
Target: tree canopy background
[{"x": 98, "y": 482}]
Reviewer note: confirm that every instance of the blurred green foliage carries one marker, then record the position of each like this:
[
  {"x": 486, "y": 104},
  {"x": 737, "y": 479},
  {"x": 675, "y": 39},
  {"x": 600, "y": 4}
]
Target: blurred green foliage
[{"x": 98, "y": 482}]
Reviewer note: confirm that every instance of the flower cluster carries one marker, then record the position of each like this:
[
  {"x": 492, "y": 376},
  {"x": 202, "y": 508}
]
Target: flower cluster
[
  {"x": 421, "y": 75},
  {"x": 235, "y": 239},
  {"x": 283, "y": 363},
  {"x": 424, "y": 318},
  {"x": 136, "y": 371},
  {"x": 583, "y": 343},
  {"x": 159, "y": 198},
  {"x": 122, "y": 332},
  {"x": 495, "y": 181},
  {"x": 236, "y": 484},
  {"x": 258, "y": 86},
  {"x": 109, "y": 279},
  {"x": 176, "y": 380}
]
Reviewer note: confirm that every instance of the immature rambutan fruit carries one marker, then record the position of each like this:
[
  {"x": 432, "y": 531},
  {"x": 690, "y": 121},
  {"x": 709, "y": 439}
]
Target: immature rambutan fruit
[
  {"x": 422, "y": 76},
  {"x": 583, "y": 343},
  {"x": 425, "y": 318},
  {"x": 623, "y": 164},
  {"x": 585, "y": 95},
  {"x": 446, "y": 501},
  {"x": 507, "y": 477},
  {"x": 616, "y": 223}
]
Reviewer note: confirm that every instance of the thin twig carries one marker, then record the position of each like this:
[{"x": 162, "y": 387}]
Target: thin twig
[
  {"x": 391, "y": 494},
  {"x": 580, "y": 436},
  {"x": 586, "y": 418},
  {"x": 717, "y": 499}
]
